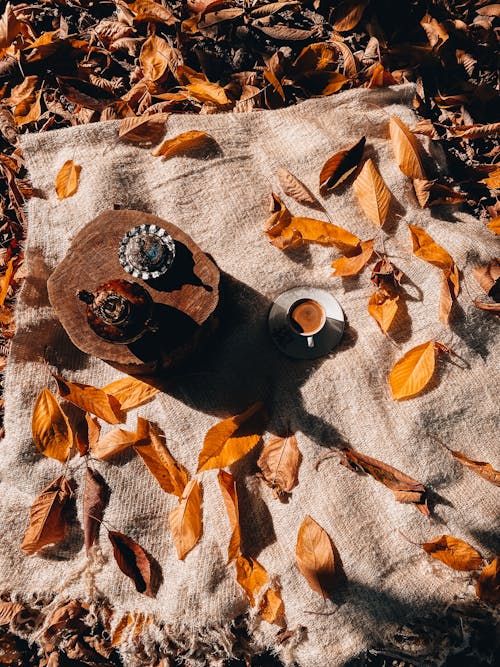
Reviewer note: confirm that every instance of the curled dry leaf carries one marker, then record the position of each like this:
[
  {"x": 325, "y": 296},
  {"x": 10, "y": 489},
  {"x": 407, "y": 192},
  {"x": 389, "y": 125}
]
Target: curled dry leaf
[
  {"x": 9, "y": 611},
  {"x": 87, "y": 434},
  {"x": 475, "y": 131},
  {"x": 143, "y": 129},
  {"x": 413, "y": 371},
  {"x": 95, "y": 499},
  {"x": 132, "y": 561},
  {"x": 350, "y": 67},
  {"x": 432, "y": 193},
  {"x": 309, "y": 230},
  {"x": 151, "y": 447},
  {"x": 317, "y": 558},
  {"x": 488, "y": 276},
  {"x": 383, "y": 306},
  {"x": 404, "y": 488},
  {"x": 406, "y": 149},
  {"x": 67, "y": 179},
  {"x": 91, "y": 399},
  {"x": 485, "y": 470},
  {"x": 492, "y": 307},
  {"x": 271, "y": 607},
  {"x": 488, "y": 582},
  {"x": 227, "y": 485},
  {"x": 186, "y": 143},
  {"x": 354, "y": 264},
  {"x": 52, "y": 433},
  {"x": 185, "y": 519},
  {"x": 232, "y": 438},
  {"x": 279, "y": 463},
  {"x": 384, "y": 273},
  {"x": 340, "y": 166},
  {"x": 251, "y": 576},
  {"x": 454, "y": 552},
  {"x": 114, "y": 442},
  {"x": 373, "y": 194},
  {"x": 148, "y": 10},
  {"x": 296, "y": 189},
  {"x": 130, "y": 392},
  {"x": 47, "y": 524}
]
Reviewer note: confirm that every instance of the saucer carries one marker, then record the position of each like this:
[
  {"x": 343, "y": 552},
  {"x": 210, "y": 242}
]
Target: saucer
[{"x": 293, "y": 344}]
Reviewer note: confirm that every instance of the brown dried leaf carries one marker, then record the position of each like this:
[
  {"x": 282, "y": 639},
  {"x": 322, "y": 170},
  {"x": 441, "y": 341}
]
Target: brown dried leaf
[
  {"x": 488, "y": 275},
  {"x": 485, "y": 470},
  {"x": 47, "y": 524},
  {"x": 218, "y": 16},
  {"x": 132, "y": 561},
  {"x": 272, "y": 8},
  {"x": 316, "y": 558},
  {"x": 492, "y": 307},
  {"x": 385, "y": 273},
  {"x": 411, "y": 374},
  {"x": 347, "y": 14},
  {"x": 404, "y": 488},
  {"x": 10, "y": 27},
  {"x": 205, "y": 91},
  {"x": 251, "y": 576},
  {"x": 354, "y": 264},
  {"x": 130, "y": 392},
  {"x": 279, "y": 462},
  {"x": 475, "y": 131},
  {"x": 95, "y": 499},
  {"x": 383, "y": 307},
  {"x": 232, "y": 438},
  {"x": 185, "y": 519},
  {"x": 143, "y": 129},
  {"x": 67, "y": 179},
  {"x": 454, "y": 552},
  {"x": 488, "y": 583},
  {"x": 427, "y": 249},
  {"x": 9, "y": 611},
  {"x": 186, "y": 143},
  {"x": 296, "y": 189},
  {"x": 52, "y": 433},
  {"x": 431, "y": 193},
  {"x": 227, "y": 485},
  {"x": 271, "y": 607},
  {"x": 373, "y": 194},
  {"x": 406, "y": 149},
  {"x": 157, "y": 57},
  {"x": 6, "y": 280},
  {"x": 279, "y": 219},
  {"x": 446, "y": 300},
  {"x": 340, "y": 166},
  {"x": 147, "y": 10},
  {"x": 350, "y": 67},
  {"x": 91, "y": 399},
  {"x": 315, "y": 57},
  {"x": 283, "y": 33},
  {"x": 81, "y": 92}
]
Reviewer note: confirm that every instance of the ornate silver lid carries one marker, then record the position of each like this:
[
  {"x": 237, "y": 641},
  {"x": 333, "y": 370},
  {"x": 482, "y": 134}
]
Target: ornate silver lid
[{"x": 146, "y": 251}]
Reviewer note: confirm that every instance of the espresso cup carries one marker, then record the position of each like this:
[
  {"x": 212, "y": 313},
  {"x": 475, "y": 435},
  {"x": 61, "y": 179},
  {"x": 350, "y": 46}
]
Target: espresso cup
[{"x": 306, "y": 317}]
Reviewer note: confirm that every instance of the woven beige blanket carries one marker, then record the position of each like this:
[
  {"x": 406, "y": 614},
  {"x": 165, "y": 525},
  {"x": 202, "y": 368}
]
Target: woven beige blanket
[{"x": 222, "y": 202}]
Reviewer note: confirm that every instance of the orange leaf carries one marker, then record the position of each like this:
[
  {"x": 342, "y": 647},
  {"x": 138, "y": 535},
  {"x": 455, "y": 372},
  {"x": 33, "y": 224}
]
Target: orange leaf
[
  {"x": 5, "y": 281},
  {"x": 91, "y": 399},
  {"x": 52, "y": 433},
  {"x": 130, "y": 392},
  {"x": 28, "y": 109},
  {"x": 229, "y": 440},
  {"x": 251, "y": 576},
  {"x": 147, "y": 10},
  {"x": 87, "y": 434},
  {"x": 485, "y": 470},
  {"x": 413, "y": 371},
  {"x": 373, "y": 194},
  {"x": 351, "y": 266},
  {"x": 453, "y": 552},
  {"x": 324, "y": 233},
  {"x": 488, "y": 583},
  {"x": 494, "y": 225},
  {"x": 296, "y": 189},
  {"x": 113, "y": 443},
  {"x": 279, "y": 462},
  {"x": 406, "y": 149},
  {"x": 279, "y": 219},
  {"x": 347, "y": 14},
  {"x": 383, "y": 307},
  {"x": 132, "y": 561},
  {"x": 185, "y": 519},
  {"x": 427, "y": 249},
  {"x": 143, "y": 129},
  {"x": 431, "y": 193},
  {"x": 186, "y": 143},
  {"x": 340, "y": 166},
  {"x": 205, "y": 91},
  {"x": 67, "y": 179},
  {"x": 445, "y": 301},
  {"x": 316, "y": 558},
  {"x": 157, "y": 57},
  {"x": 271, "y": 607},
  {"x": 229, "y": 494},
  {"x": 493, "y": 179}
]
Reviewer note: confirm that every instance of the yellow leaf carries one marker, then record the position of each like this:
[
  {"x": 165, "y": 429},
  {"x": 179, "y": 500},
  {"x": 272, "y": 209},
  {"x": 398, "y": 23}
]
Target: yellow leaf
[
  {"x": 351, "y": 266},
  {"x": 271, "y": 607},
  {"x": 406, "y": 149},
  {"x": 185, "y": 519},
  {"x": 340, "y": 166},
  {"x": 5, "y": 280},
  {"x": 52, "y": 433},
  {"x": 143, "y": 129},
  {"x": 324, "y": 233},
  {"x": 169, "y": 473},
  {"x": 227, "y": 485},
  {"x": 91, "y": 399},
  {"x": 455, "y": 553},
  {"x": 205, "y": 91},
  {"x": 373, "y": 194},
  {"x": 186, "y": 143},
  {"x": 67, "y": 179},
  {"x": 130, "y": 392},
  {"x": 251, "y": 576},
  {"x": 493, "y": 179},
  {"x": 279, "y": 462},
  {"x": 232, "y": 438},
  {"x": 383, "y": 307},
  {"x": 316, "y": 558},
  {"x": 156, "y": 57},
  {"x": 413, "y": 371},
  {"x": 427, "y": 249},
  {"x": 494, "y": 225},
  {"x": 113, "y": 443},
  {"x": 488, "y": 583}
]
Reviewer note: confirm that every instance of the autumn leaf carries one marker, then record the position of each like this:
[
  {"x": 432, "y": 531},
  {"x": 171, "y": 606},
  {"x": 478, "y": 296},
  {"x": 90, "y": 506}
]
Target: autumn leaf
[
  {"x": 9, "y": 611},
  {"x": 91, "y": 399},
  {"x": 148, "y": 10},
  {"x": 186, "y": 143},
  {"x": 385, "y": 274},
  {"x": 494, "y": 225},
  {"x": 143, "y": 129},
  {"x": 87, "y": 434},
  {"x": 47, "y": 524},
  {"x": 232, "y": 438},
  {"x": 372, "y": 193},
  {"x": 95, "y": 499},
  {"x": 485, "y": 470},
  {"x": 414, "y": 370},
  {"x": 317, "y": 559},
  {"x": 427, "y": 249},
  {"x": 310, "y": 230},
  {"x": 340, "y": 166},
  {"x": 271, "y": 607},
  {"x": 406, "y": 149},
  {"x": 206, "y": 91},
  {"x": 114, "y": 442},
  {"x": 169, "y": 473},
  {"x": 132, "y": 561},
  {"x": 52, "y": 433},
  {"x": 130, "y": 392},
  {"x": 493, "y": 179},
  {"x": 5, "y": 280},
  {"x": 431, "y": 193},
  {"x": 488, "y": 276},
  {"x": 347, "y": 14},
  {"x": 488, "y": 582},
  {"x": 383, "y": 307},
  {"x": 492, "y": 307},
  {"x": 454, "y": 552},
  {"x": 404, "y": 488},
  {"x": 354, "y": 264},
  {"x": 296, "y": 189},
  {"x": 10, "y": 27},
  {"x": 251, "y": 576},
  {"x": 185, "y": 519},
  {"x": 279, "y": 464},
  {"x": 27, "y": 100},
  {"x": 157, "y": 57},
  {"x": 67, "y": 179},
  {"x": 227, "y": 485}
]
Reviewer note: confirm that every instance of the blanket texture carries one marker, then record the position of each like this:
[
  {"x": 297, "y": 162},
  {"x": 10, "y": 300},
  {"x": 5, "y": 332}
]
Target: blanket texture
[{"x": 222, "y": 202}]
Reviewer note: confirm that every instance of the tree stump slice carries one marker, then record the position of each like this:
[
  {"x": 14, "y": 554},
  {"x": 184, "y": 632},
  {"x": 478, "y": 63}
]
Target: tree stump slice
[{"x": 185, "y": 298}]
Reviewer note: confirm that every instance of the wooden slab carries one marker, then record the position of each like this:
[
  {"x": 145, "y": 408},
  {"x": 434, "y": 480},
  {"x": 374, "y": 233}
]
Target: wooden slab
[{"x": 185, "y": 297}]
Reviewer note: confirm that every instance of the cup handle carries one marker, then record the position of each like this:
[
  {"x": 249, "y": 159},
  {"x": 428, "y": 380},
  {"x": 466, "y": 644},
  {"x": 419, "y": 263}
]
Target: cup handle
[{"x": 310, "y": 341}]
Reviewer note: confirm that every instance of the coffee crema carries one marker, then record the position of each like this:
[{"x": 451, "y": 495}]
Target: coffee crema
[{"x": 307, "y": 316}]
